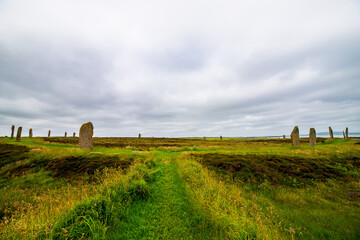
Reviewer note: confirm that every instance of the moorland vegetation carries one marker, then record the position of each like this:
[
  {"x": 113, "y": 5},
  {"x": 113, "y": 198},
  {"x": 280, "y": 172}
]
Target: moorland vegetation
[{"x": 179, "y": 188}]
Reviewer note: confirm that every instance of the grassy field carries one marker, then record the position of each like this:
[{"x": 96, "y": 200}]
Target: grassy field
[{"x": 173, "y": 188}]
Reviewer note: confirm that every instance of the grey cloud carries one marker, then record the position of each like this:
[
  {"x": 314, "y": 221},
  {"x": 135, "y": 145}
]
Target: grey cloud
[
  {"x": 72, "y": 76},
  {"x": 190, "y": 56},
  {"x": 331, "y": 55},
  {"x": 172, "y": 78}
]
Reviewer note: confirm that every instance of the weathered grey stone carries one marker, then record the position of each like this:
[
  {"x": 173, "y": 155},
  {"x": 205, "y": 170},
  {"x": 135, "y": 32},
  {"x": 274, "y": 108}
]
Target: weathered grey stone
[
  {"x": 344, "y": 136},
  {"x": 220, "y": 137},
  {"x": 12, "y": 131},
  {"x": 295, "y": 139},
  {"x": 312, "y": 137},
  {"x": 139, "y": 135},
  {"x": 347, "y": 133},
  {"x": 74, "y": 134},
  {"x": 49, "y": 133},
  {"x": 85, "y": 136},
  {"x": 30, "y": 133},
  {"x": 331, "y": 133},
  {"x": 65, "y": 134},
  {"x": 18, "y": 135}
]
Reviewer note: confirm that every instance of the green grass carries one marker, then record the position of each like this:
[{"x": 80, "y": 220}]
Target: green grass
[
  {"x": 150, "y": 188},
  {"x": 166, "y": 214}
]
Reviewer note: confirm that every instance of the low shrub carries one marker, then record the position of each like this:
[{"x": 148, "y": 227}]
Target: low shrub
[
  {"x": 10, "y": 153},
  {"x": 74, "y": 166},
  {"x": 284, "y": 170}
]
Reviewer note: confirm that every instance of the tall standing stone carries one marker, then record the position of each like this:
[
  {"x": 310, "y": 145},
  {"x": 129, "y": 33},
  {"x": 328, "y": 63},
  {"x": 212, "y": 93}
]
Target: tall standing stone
[
  {"x": 347, "y": 133},
  {"x": 12, "y": 131},
  {"x": 49, "y": 133},
  {"x": 331, "y": 133},
  {"x": 295, "y": 139},
  {"x": 139, "y": 135},
  {"x": 30, "y": 133},
  {"x": 85, "y": 136},
  {"x": 344, "y": 136},
  {"x": 74, "y": 134},
  {"x": 312, "y": 137},
  {"x": 283, "y": 136},
  {"x": 65, "y": 134},
  {"x": 18, "y": 135},
  {"x": 220, "y": 137}
]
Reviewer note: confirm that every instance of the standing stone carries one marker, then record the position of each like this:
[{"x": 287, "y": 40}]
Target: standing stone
[
  {"x": 49, "y": 133},
  {"x": 74, "y": 134},
  {"x": 30, "y": 133},
  {"x": 18, "y": 135},
  {"x": 331, "y": 133},
  {"x": 347, "y": 133},
  {"x": 12, "y": 131},
  {"x": 85, "y": 136},
  {"x": 65, "y": 134},
  {"x": 283, "y": 136},
  {"x": 220, "y": 137},
  {"x": 295, "y": 139},
  {"x": 312, "y": 137},
  {"x": 344, "y": 136},
  {"x": 139, "y": 135},
  {"x": 204, "y": 138}
]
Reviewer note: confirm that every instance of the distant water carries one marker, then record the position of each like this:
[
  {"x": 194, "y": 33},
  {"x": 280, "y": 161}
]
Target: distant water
[
  {"x": 321, "y": 134},
  {"x": 336, "y": 134},
  {"x": 350, "y": 135}
]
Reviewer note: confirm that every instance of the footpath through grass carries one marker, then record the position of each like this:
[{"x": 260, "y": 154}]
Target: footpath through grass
[
  {"x": 177, "y": 189},
  {"x": 166, "y": 214}
]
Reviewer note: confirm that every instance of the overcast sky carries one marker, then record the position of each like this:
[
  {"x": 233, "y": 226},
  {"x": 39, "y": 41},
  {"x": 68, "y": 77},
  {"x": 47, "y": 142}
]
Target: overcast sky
[{"x": 179, "y": 68}]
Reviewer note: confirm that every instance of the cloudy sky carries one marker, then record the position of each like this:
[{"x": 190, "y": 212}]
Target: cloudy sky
[{"x": 179, "y": 68}]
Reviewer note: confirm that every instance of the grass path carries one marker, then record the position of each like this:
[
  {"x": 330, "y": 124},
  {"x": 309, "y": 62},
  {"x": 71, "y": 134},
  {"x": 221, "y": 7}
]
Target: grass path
[
  {"x": 166, "y": 214},
  {"x": 183, "y": 197}
]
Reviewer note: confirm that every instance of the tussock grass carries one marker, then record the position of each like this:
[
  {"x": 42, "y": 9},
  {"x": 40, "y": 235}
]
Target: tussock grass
[
  {"x": 93, "y": 217},
  {"x": 37, "y": 190},
  {"x": 28, "y": 212},
  {"x": 321, "y": 201},
  {"x": 225, "y": 204}
]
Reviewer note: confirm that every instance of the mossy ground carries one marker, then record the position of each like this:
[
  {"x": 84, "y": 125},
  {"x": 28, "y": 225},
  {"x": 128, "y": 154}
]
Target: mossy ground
[{"x": 150, "y": 188}]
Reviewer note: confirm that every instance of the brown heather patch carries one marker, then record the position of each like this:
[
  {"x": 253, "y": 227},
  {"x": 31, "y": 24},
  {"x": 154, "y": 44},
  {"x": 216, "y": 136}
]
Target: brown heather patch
[
  {"x": 10, "y": 153},
  {"x": 71, "y": 167},
  {"x": 75, "y": 166},
  {"x": 277, "y": 169},
  {"x": 173, "y": 143}
]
